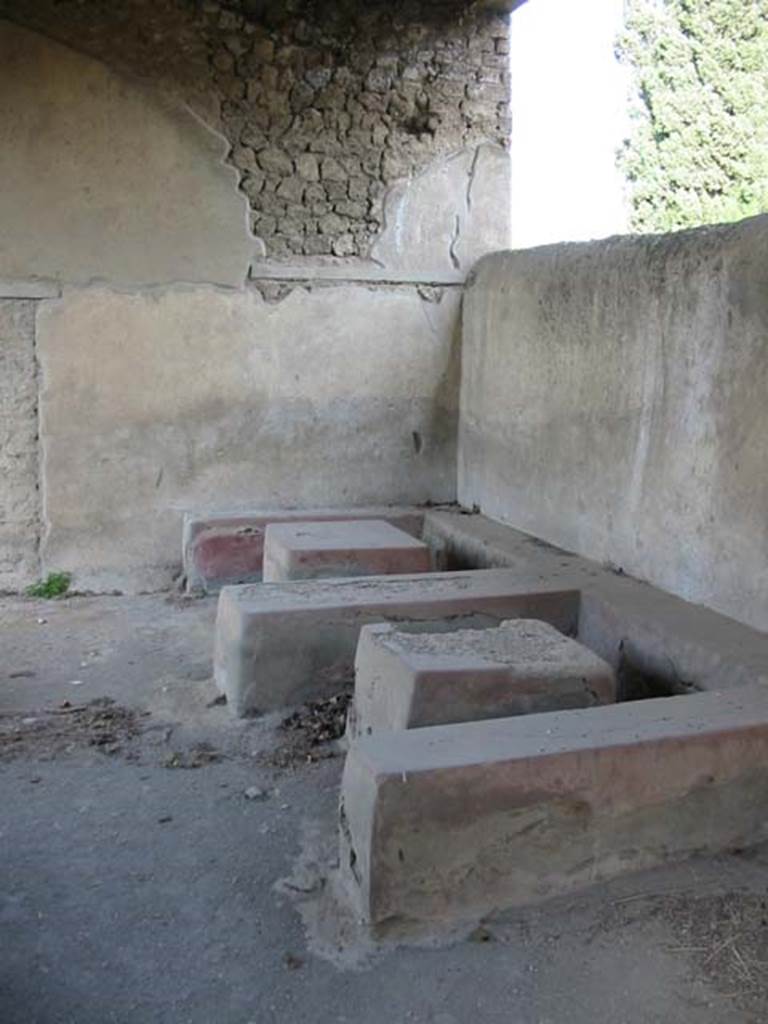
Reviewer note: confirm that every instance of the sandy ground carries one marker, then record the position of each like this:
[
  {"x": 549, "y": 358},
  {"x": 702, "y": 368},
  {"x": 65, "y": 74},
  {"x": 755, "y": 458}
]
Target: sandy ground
[{"x": 162, "y": 862}]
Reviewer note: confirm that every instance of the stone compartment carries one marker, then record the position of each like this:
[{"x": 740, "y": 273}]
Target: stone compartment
[{"x": 279, "y": 644}]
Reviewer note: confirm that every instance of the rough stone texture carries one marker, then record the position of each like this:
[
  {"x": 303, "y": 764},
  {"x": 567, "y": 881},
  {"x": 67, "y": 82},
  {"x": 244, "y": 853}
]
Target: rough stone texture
[
  {"x": 314, "y": 550},
  {"x": 100, "y": 181},
  {"x": 614, "y": 402},
  {"x": 220, "y": 549},
  {"x": 453, "y": 822},
  {"x": 155, "y": 403},
  {"x": 19, "y": 498},
  {"x": 323, "y": 105},
  {"x": 279, "y": 644},
  {"x": 410, "y": 680}
]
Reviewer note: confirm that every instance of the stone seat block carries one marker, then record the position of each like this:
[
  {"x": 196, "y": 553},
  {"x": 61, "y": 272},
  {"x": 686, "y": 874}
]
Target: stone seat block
[
  {"x": 220, "y": 549},
  {"x": 278, "y": 644},
  {"x": 446, "y": 824},
  {"x": 316, "y": 550},
  {"x": 408, "y": 680}
]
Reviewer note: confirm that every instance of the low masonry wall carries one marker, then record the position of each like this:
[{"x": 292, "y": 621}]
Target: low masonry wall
[{"x": 613, "y": 402}]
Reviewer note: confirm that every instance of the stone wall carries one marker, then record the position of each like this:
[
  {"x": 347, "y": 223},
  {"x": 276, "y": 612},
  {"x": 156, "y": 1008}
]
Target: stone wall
[
  {"x": 19, "y": 498},
  {"x": 181, "y": 364},
  {"x": 323, "y": 105},
  {"x": 613, "y": 402}
]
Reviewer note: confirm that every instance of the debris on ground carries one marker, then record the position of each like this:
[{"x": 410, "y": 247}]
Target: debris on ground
[
  {"x": 101, "y": 723},
  {"x": 292, "y": 962},
  {"x": 197, "y": 756},
  {"x": 256, "y": 793},
  {"x": 311, "y": 733},
  {"x": 724, "y": 935}
]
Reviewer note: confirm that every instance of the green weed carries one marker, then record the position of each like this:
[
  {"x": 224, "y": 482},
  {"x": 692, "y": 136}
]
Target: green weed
[{"x": 56, "y": 584}]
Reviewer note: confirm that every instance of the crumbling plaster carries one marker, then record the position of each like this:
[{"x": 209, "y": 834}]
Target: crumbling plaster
[
  {"x": 323, "y": 105},
  {"x": 171, "y": 346}
]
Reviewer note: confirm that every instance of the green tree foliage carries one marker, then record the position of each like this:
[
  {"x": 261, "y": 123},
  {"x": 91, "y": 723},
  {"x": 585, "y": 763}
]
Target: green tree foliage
[{"x": 698, "y": 152}]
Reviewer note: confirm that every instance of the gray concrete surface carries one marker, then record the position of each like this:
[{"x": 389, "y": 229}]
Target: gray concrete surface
[
  {"x": 110, "y": 916},
  {"x": 450, "y": 823},
  {"x": 279, "y": 643},
  {"x": 410, "y": 680},
  {"x": 613, "y": 402},
  {"x": 309, "y": 550}
]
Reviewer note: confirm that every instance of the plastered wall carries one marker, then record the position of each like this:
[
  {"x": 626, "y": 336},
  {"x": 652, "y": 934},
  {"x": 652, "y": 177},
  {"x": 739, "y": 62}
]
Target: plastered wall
[
  {"x": 200, "y": 398},
  {"x": 613, "y": 402}
]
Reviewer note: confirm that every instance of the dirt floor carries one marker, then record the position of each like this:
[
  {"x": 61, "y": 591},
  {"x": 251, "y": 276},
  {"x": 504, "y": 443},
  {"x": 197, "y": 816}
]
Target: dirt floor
[{"x": 163, "y": 863}]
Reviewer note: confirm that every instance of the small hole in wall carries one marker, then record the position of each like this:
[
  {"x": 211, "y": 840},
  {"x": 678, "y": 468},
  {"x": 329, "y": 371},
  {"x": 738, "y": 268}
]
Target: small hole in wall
[{"x": 417, "y": 442}]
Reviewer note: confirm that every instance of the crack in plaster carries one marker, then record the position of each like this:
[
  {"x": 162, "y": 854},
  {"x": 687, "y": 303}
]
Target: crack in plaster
[
  {"x": 454, "y": 242},
  {"x": 471, "y": 178}
]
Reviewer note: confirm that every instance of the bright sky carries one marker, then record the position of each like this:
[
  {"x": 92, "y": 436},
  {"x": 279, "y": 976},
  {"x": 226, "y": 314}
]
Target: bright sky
[{"x": 569, "y": 103}]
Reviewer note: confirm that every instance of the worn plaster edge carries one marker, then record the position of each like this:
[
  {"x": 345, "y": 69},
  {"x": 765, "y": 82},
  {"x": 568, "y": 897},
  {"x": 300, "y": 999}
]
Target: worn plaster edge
[
  {"x": 427, "y": 291},
  {"x": 48, "y": 288},
  {"x": 363, "y": 274},
  {"x": 223, "y": 158},
  {"x": 29, "y": 288}
]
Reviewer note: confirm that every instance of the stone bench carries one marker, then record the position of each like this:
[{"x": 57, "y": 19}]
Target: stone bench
[
  {"x": 360, "y": 547},
  {"x": 278, "y": 644},
  {"x": 409, "y": 680},
  {"x": 220, "y": 549},
  {"x": 447, "y": 824}
]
